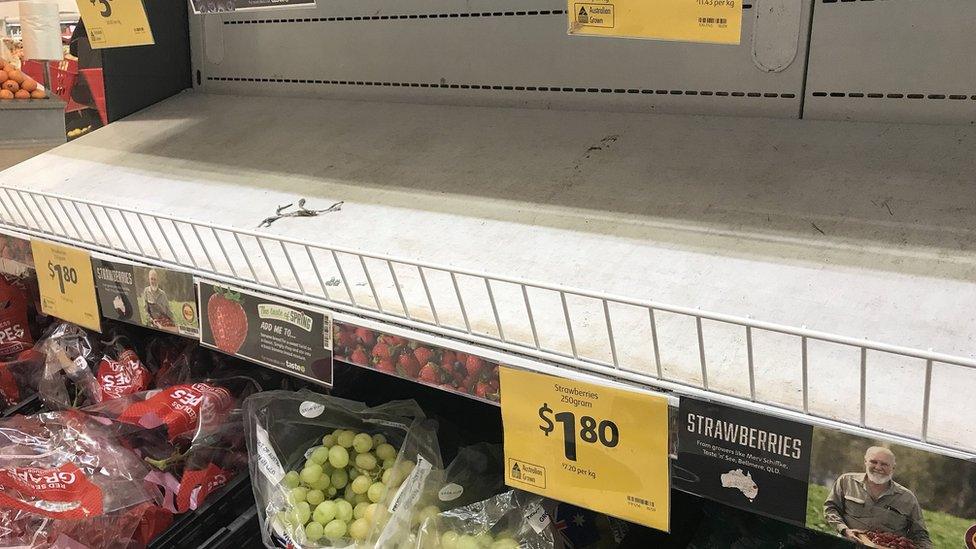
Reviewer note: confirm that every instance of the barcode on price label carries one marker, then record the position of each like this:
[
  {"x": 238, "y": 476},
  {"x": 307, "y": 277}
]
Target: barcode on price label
[{"x": 713, "y": 20}]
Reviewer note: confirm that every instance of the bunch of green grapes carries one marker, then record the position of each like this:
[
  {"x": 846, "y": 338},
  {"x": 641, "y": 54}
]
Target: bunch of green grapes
[
  {"x": 454, "y": 540},
  {"x": 336, "y": 495}
]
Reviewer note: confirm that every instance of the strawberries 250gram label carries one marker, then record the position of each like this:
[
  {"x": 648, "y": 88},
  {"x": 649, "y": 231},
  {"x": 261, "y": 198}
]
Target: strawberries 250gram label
[
  {"x": 283, "y": 335},
  {"x": 64, "y": 492}
]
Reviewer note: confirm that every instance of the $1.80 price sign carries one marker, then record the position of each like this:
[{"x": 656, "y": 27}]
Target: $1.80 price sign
[
  {"x": 599, "y": 447},
  {"x": 67, "y": 288}
]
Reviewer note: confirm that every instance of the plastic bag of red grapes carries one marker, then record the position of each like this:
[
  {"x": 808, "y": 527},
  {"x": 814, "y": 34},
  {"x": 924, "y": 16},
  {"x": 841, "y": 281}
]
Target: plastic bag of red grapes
[
  {"x": 191, "y": 434},
  {"x": 66, "y": 481},
  {"x": 330, "y": 472}
]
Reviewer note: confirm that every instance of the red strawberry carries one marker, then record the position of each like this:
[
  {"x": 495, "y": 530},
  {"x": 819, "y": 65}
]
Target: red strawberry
[
  {"x": 366, "y": 336},
  {"x": 408, "y": 366},
  {"x": 228, "y": 322},
  {"x": 386, "y": 365},
  {"x": 429, "y": 373},
  {"x": 381, "y": 350},
  {"x": 461, "y": 357},
  {"x": 423, "y": 354},
  {"x": 475, "y": 366},
  {"x": 396, "y": 340},
  {"x": 482, "y": 389},
  {"x": 493, "y": 385},
  {"x": 448, "y": 358},
  {"x": 359, "y": 357},
  {"x": 469, "y": 384},
  {"x": 345, "y": 339}
]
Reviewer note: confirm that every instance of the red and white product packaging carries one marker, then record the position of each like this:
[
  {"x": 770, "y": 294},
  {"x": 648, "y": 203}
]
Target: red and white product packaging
[
  {"x": 122, "y": 376},
  {"x": 64, "y": 478},
  {"x": 184, "y": 409},
  {"x": 15, "y": 335}
]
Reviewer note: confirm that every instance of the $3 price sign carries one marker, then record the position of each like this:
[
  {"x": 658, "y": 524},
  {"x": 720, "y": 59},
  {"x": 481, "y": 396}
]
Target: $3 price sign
[{"x": 605, "y": 432}]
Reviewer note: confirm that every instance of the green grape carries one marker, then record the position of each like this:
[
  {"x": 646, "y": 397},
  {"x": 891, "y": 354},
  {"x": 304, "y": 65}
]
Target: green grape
[
  {"x": 319, "y": 455},
  {"x": 370, "y": 513},
  {"x": 360, "y": 498},
  {"x": 284, "y": 517},
  {"x": 505, "y": 543},
  {"x": 315, "y": 497},
  {"x": 386, "y": 451},
  {"x": 376, "y": 491},
  {"x": 311, "y": 472},
  {"x": 329, "y": 441},
  {"x": 340, "y": 478},
  {"x": 313, "y": 532},
  {"x": 484, "y": 540},
  {"x": 362, "y": 443},
  {"x": 388, "y": 477},
  {"x": 336, "y": 434},
  {"x": 467, "y": 542},
  {"x": 338, "y": 457},
  {"x": 322, "y": 483},
  {"x": 345, "y": 439},
  {"x": 292, "y": 479},
  {"x": 303, "y": 511},
  {"x": 359, "y": 511},
  {"x": 335, "y": 530},
  {"x": 296, "y": 495},
  {"x": 428, "y": 512},
  {"x": 389, "y": 463},
  {"x": 359, "y": 529},
  {"x": 332, "y": 491},
  {"x": 360, "y": 484},
  {"x": 343, "y": 510},
  {"x": 349, "y": 495},
  {"x": 325, "y": 512},
  {"x": 366, "y": 461},
  {"x": 449, "y": 540},
  {"x": 406, "y": 467},
  {"x": 378, "y": 439}
]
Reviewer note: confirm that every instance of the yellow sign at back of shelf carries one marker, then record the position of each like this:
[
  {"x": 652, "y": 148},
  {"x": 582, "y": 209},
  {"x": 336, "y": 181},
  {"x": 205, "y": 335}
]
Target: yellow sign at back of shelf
[
  {"x": 712, "y": 21},
  {"x": 591, "y": 445},
  {"x": 115, "y": 23},
  {"x": 67, "y": 287}
]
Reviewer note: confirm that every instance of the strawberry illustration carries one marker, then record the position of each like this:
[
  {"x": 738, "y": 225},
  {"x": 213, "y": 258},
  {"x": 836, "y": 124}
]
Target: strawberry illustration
[
  {"x": 386, "y": 365},
  {"x": 366, "y": 336},
  {"x": 359, "y": 357},
  {"x": 408, "y": 366},
  {"x": 474, "y": 366},
  {"x": 396, "y": 340},
  {"x": 381, "y": 350},
  {"x": 448, "y": 358},
  {"x": 228, "y": 322},
  {"x": 429, "y": 374},
  {"x": 423, "y": 354}
]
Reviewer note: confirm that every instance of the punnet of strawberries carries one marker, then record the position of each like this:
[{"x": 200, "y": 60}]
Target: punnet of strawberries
[
  {"x": 443, "y": 368},
  {"x": 889, "y": 540}
]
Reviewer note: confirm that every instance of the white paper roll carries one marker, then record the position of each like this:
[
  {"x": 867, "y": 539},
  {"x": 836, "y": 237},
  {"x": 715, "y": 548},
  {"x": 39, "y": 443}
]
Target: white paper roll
[{"x": 40, "y": 25}]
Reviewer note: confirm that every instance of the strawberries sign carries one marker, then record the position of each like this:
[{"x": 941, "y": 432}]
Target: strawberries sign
[{"x": 283, "y": 335}]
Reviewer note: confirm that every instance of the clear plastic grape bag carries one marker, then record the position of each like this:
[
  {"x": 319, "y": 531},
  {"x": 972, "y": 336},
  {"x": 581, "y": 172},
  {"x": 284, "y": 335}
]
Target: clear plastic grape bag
[
  {"x": 510, "y": 520},
  {"x": 330, "y": 472}
]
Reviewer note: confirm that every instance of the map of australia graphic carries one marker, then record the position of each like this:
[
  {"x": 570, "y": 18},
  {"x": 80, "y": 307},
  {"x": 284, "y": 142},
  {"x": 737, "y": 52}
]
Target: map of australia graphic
[{"x": 741, "y": 480}]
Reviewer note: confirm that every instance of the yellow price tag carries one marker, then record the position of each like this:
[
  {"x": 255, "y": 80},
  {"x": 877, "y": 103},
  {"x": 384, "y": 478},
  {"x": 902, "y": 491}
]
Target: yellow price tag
[
  {"x": 714, "y": 21},
  {"x": 598, "y": 447},
  {"x": 115, "y": 23},
  {"x": 64, "y": 277}
]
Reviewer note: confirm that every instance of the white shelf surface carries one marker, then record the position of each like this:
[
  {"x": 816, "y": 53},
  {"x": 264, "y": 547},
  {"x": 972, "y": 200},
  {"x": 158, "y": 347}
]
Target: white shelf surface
[{"x": 860, "y": 230}]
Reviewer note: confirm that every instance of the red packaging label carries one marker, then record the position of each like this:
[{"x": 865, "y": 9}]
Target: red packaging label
[
  {"x": 64, "y": 492},
  {"x": 180, "y": 407},
  {"x": 9, "y": 391},
  {"x": 14, "y": 333},
  {"x": 197, "y": 485},
  {"x": 121, "y": 377}
]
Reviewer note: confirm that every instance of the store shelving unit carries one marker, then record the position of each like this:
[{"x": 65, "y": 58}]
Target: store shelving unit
[{"x": 617, "y": 218}]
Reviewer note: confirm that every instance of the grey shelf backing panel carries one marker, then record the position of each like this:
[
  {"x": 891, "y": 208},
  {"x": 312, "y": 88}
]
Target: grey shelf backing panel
[
  {"x": 896, "y": 60},
  {"x": 500, "y": 53}
]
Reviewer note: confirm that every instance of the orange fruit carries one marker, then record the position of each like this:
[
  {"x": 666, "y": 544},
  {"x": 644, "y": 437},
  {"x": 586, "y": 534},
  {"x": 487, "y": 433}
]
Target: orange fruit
[
  {"x": 11, "y": 86},
  {"x": 28, "y": 84},
  {"x": 16, "y": 76},
  {"x": 6, "y": 94},
  {"x": 3, "y": 75},
  {"x": 22, "y": 94},
  {"x": 38, "y": 94}
]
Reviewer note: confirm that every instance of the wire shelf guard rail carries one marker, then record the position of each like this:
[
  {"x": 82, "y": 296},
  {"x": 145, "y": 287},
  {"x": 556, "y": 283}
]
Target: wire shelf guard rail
[{"x": 582, "y": 329}]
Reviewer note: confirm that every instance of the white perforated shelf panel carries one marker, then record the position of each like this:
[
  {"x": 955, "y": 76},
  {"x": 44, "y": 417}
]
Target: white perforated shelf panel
[
  {"x": 500, "y": 53},
  {"x": 893, "y": 60}
]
